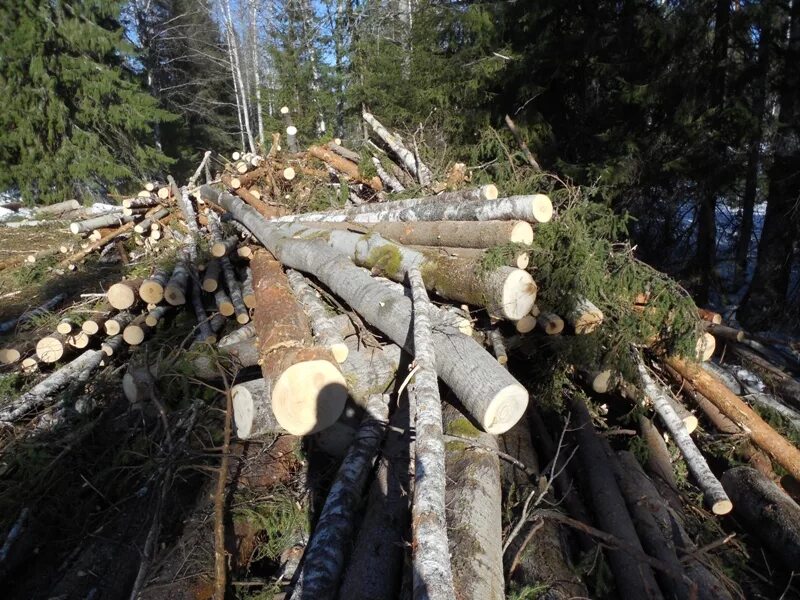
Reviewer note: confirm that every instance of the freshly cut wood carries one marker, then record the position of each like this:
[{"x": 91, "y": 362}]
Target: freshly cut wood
[
  {"x": 706, "y": 344},
  {"x": 764, "y": 436},
  {"x": 67, "y": 325},
  {"x": 643, "y": 501},
  {"x": 262, "y": 208},
  {"x": 78, "y": 339},
  {"x": 224, "y": 247},
  {"x": 248, "y": 179},
  {"x": 766, "y": 512},
  {"x": 164, "y": 192},
  {"x": 633, "y": 578},
  {"x": 117, "y": 323},
  {"x": 474, "y": 509},
  {"x": 224, "y": 304},
  {"x": 245, "y": 252},
  {"x": 58, "y": 208},
  {"x": 526, "y": 324},
  {"x": 712, "y": 489},
  {"x": 725, "y": 333},
  {"x": 486, "y": 390},
  {"x": 248, "y": 293},
  {"x": 308, "y": 390},
  {"x": 108, "y": 220},
  {"x": 506, "y": 292},
  {"x": 234, "y": 291},
  {"x": 25, "y": 317},
  {"x": 252, "y": 410},
  {"x": 51, "y": 348},
  {"x": 146, "y": 224},
  {"x": 29, "y": 365},
  {"x": 289, "y": 173},
  {"x": 136, "y": 331},
  {"x": 152, "y": 288},
  {"x": 585, "y": 317},
  {"x": 710, "y": 316},
  {"x": 516, "y": 258},
  {"x": 479, "y": 194},
  {"x": 325, "y": 555},
  {"x": 345, "y": 166},
  {"x": 124, "y": 294},
  {"x": 389, "y": 181},
  {"x": 156, "y": 315},
  {"x": 498, "y": 345},
  {"x": 94, "y": 323},
  {"x": 16, "y": 351},
  {"x": 141, "y": 201},
  {"x": 175, "y": 290},
  {"x": 325, "y": 332},
  {"x": 411, "y": 162},
  {"x": 211, "y": 276},
  {"x": 550, "y": 323},
  {"x": 459, "y": 234},
  {"x": 601, "y": 382},
  {"x": 77, "y": 370},
  {"x": 433, "y": 576}
]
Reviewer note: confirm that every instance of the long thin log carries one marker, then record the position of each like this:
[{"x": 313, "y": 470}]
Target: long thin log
[
  {"x": 486, "y": 390},
  {"x": 78, "y": 369},
  {"x": 388, "y": 180},
  {"x": 324, "y": 330},
  {"x": 345, "y": 166},
  {"x": 58, "y": 208},
  {"x": 412, "y": 163},
  {"x": 764, "y": 436},
  {"x": 108, "y": 220},
  {"x": 145, "y": 224},
  {"x": 325, "y": 556},
  {"x": 712, "y": 489},
  {"x": 433, "y": 577},
  {"x": 308, "y": 390},
  {"x": 26, "y": 317},
  {"x": 634, "y": 579},
  {"x": 211, "y": 276},
  {"x": 234, "y": 291},
  {"x": 474, "y": 506},
  {"x": 766, "y": 512}
]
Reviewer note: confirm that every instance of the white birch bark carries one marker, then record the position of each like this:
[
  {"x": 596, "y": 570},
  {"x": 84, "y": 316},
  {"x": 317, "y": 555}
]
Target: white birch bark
[
  {"x": 391, "y": 182},
  {"x": 256, "y": 72},
  {"x": 433, "y": 578},
  {"x": 110, "y": 220},
  {"x": 324, "y": 329},
  {"x": 418, "y": 168},
  {"x": 236, "y": 69},
  {"x": 487, "y": 391},
  {"x": 712, "y": 489},
  {"x": 325, "y": 556}
]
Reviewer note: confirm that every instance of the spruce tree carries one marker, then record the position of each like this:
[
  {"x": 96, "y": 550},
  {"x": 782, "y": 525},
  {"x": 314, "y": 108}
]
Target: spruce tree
[{"x": 74, "y": 117}]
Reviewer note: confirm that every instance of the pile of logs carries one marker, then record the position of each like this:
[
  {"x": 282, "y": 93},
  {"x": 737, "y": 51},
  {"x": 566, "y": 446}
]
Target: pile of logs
[{"x": 322, "y": 287}]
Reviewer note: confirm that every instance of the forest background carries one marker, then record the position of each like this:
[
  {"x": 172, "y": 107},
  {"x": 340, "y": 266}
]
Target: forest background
[{"x": 682, "y": 115}]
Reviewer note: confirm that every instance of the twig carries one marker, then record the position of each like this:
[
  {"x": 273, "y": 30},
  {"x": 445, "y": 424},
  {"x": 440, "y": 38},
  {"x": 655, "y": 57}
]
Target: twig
[
  {"x": 530, "y": 472},
  {"x": 219, "y": 499}
]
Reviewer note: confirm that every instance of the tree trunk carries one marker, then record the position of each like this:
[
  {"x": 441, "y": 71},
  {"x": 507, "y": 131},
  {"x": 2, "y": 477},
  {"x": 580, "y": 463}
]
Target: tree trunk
[
  {"x": 389, "y": 181},
  {"x": 764, "y": 302},
  {"x": 325, "y": 331},
  {"x": 769, "y": 440},
  {"x": 325, "y": 555},
  {"x": 487, "y": 391},
  {"x": 433, "y": 577},
  {"x": 25, "y": 317},
  {"x": 308, "y": 390},
  {"x": 766, "y": 512},
  {"x": 109, "y": 220},
  {"x": 634, "y": 579},
  {"x": 474, "y": 507},
  {"x": 345, "y": 167},
  {"x": 412, "y": 164}
]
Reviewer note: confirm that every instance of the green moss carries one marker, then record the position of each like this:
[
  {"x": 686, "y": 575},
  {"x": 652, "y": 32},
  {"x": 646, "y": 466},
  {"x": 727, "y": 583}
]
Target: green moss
[
  {"x": 461, "y": 427},
  {"x": 386, "y": 259}
]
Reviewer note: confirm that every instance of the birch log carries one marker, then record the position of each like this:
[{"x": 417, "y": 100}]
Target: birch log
[
  {"x": 766, "y": 512},
  {"x": 175, "y": 290},
  {"x": 634, "y": 579},
  {"x": 488, "y": 392},
  {"x": 144, "y": 225},
  {"x": 52, "y": 348},
  {"x": 152, "y": 288},
  {"x": 124, "y": 294},
  {"x": 109, "y": 220},
  {"x": 433, "y": 577},
  {"x": 78, "y": 369},
  {"x": 325, "y": 555},
  {"x": 114, "y": 325},
  {"x": 412, "y": 164},
  {"x": 474, "y": 505},
  {"x": 211, "y": 276},
  {"x": 712, "y": 489},
  {"x": 325, "y": 331},
  {"x": 762, "y": 434},
  {"x": 234, "y": 291},
  {"x": 389, "y": 181},
  {"x": 308, "y": 391}
]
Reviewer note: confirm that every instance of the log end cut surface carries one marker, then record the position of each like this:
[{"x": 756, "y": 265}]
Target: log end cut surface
[
  {"x": 542, "y": 208},
  {"x": 505, "y": 409},
  {"x": 521, "y": 233},
  {"x": 519, "y": 294},
  {"x": 309, "y": 396}
]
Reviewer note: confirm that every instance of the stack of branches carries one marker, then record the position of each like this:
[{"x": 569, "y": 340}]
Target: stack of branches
[{"x": 474, "y": 489}]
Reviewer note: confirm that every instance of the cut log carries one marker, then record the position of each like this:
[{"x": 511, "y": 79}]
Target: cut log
[
  {"x": 488, "y": 392},
  {"x": 712, "y": 489},
  {"x": 67, "y": 325},
  {"x": 51, "y": 348},
  {"x": 224, "y": 247},
  {"x": 136, "y": 331},
  {"x": 152, "y": 288},
  {"x": 511, "y": 258},
  {"x": 433, "y": 576},
  {"x": 124, "y": 294},
  {"x": 29, "y": 365},
  {"x": 344, "y": 152},
  {"x": 389, "y": 181},
  {"x": 585, "y": 317},
  {"x": 58, "y": 208},
  {"x": 78, "y": 370},
  {"x": 345, "y": 166},
  {"x": 16, "y": 351},
  {"x": 498, "y": 345},
  {"x": 211, "y": 276},
  {"x": 234, "y": 291},
  {"x": 600, "y": 381},
  {"x": 114, "y": 325},
  {"x": 12, "y": 324},
  {"x": 156, "y": 315},
  {"x": 764, "y": 436},
  {"x": 175, "y": 290},
  {"x": 78, "y": 339},
  {"x": 325, "y": 555},
  {"x": 479, "y": 195},
  {"x": 245, "y": 332},
  {"x": 659, "y": 461},
  {"x": 457, "y": 234},
  {"x": 706, "y": 344},
  {"x": 766, "y": 512},
  {"x": 224, "y": 304},
  {"x": 411, "y": 162},
  {"x": 108, "y": 220},
  {"x": 144, "y": 225},
  {"x": 550, "y": 323},
  {"x": 710, "y": 316},
  {"x": 145, "y": 199},
  {"x": 724, "y": 332},
  {"x": 474, "y": 509},
  {"x": 308, "y": 391},
  {"x": 94, "y": 323},
  {"x": 248, "y": 293},
  {"x": 252, "y": 410},
  {"x": 634, "y": 579},
  {"x": 526, "y": 324},
  {"x": 644, "y": 502},
  {"x": 324, "y": 330}
]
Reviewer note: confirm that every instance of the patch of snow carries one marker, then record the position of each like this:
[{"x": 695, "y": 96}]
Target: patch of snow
[{"x": 99, "y": 208}]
